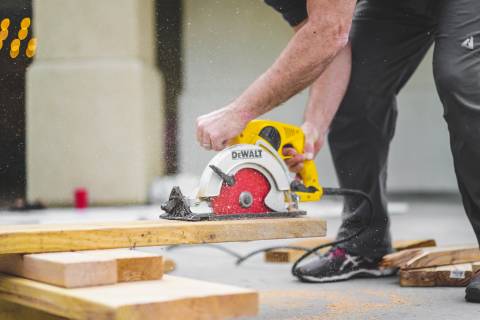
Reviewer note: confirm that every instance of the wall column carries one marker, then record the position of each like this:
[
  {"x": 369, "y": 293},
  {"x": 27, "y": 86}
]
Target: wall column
[{"x": 94, "y": 102}]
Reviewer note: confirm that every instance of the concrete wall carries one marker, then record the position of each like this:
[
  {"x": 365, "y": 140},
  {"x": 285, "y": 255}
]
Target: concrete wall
[
  {"x": 229, "y": 43},
  {"x": 94, "y": 107}
]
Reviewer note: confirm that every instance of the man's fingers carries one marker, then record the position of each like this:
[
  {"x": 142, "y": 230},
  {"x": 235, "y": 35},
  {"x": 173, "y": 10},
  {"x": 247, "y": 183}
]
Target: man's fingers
[
  {"x": 199, "y": 134},
  {"x": 206, "y": 141},
  {"x": 297, "y": 168},
  {"x": 215, "y": 128},
  {"x": 218, "y": 144},
  {"x": 295, "y": 159},
  {"x": 202, "y": 137},
  {"x": 309, "y": 149},
  {"x": 290, "y": 162},
  {"x": 295, "y": 163},
  {"x": 288, "y": 151}
]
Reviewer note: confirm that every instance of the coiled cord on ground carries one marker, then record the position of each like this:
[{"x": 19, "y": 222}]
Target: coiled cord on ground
[
  {"x": 336, "y": 192},
  {"x": 308, "y": 251}
]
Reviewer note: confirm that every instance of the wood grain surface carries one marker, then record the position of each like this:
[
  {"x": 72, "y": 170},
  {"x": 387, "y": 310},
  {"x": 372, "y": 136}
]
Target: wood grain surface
[
  {"x": 432, "y": 257},
  {"x": 14, "y": 311},
  {"x": 170, "y": 298},
  {"x": 71, "y": 237}
]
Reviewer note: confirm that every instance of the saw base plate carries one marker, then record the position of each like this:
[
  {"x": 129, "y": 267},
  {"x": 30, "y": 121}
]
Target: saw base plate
[{"x": 243, "y": 216}]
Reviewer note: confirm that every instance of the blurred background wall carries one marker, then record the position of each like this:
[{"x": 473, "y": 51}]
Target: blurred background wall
[
  {"x": 207, "y": 52},
  {"x": 228, "y": 43}
]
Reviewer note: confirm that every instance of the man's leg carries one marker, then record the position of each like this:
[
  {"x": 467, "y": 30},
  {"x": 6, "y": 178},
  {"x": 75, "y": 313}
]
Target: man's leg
[
  {"x": 457, "y": 75},
  {"x": 389, "y": 39}
]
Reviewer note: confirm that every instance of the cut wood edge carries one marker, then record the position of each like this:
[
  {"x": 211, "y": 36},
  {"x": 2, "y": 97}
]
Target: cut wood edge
[
  {"x": 132, "y": 265},
  {"x": 442, "y": 276},
  {"x": 400, "y": 245},
  {"x": 291, "y": 255},
  {"x": 169, "y": 265},
  {"x": 476, "y": 267},
  {"x": 170, "y": 298}
]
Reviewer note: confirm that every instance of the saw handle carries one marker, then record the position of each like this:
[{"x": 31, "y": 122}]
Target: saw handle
[
  {"x": 309, "y": 178},
  {"x": 280, "y": 135},
  {"x": 308, "y": 187}
]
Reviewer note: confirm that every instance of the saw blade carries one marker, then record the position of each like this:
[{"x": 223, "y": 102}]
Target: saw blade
[{"x": 246, "y": 195}]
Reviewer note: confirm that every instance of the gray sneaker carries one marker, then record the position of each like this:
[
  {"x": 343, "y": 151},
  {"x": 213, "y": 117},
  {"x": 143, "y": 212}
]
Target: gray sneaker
[
  {"x": 472, "y": 293},
  {"x": 339, "y": 265}
]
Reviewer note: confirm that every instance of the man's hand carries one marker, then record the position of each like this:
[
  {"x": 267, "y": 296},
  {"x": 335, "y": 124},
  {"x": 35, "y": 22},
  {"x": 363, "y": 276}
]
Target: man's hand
[
  {"x": 314, "y": 141},
  {"x": 215, "y": 129},
  {"x": 313, "y": 47}
]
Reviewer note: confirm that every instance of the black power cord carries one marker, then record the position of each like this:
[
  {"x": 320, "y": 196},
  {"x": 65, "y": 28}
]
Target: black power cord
[
  {"x": 314, "y": 251},
  {"x": 308, "y": 252},
  {"x": 241, "y": 259}
]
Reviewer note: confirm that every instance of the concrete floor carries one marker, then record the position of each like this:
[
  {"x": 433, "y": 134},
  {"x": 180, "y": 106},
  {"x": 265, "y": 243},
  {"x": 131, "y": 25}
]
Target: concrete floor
[{"x": 282, "y": 297}]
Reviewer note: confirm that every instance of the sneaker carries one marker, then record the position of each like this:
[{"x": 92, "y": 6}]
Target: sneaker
[
  {"x": 473, "y": 290},
  {"x": 339, "y": 265}
]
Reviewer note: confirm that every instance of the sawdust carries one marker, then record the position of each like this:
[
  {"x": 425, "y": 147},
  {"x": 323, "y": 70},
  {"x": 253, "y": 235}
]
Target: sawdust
[
  {"x": 338, "y": 304},
  {"x": 295, "y": 299}
]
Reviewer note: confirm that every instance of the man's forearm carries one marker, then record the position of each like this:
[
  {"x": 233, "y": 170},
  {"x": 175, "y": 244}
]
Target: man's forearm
[
  {"x": 307, "y": 55},
  {"x": 327, "y": 92}
]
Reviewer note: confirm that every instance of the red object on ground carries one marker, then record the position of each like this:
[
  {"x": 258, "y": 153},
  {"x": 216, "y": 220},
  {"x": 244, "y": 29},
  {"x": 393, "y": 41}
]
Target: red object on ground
[
  {"x": 249, "y": 180},
  {"x": 81, "y": 198}
]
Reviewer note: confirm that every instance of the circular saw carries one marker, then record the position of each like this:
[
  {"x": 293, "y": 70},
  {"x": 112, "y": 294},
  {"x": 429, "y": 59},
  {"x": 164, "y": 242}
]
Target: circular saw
[{"x": 249, "y": 179}]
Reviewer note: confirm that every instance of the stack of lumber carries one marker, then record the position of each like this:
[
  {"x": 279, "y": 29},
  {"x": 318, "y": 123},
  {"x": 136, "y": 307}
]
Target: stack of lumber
[
  {"x": 111, "y": 284},
  {"x": 431, "y": 267},
  {"x": 84, "y": 268},
  {"x": 169, "y": 298},
  {"x": 51, "y": 272},
  {"x": 291, "y": 255},
  {"x": 421, "y": 263}
]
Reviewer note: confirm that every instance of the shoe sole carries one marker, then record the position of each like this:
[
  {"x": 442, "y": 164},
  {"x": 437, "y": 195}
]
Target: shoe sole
[
  {"x": 472, "y": 297},
  {"x": 473, "y": 300},
  {"x": 361, "y": 273}
]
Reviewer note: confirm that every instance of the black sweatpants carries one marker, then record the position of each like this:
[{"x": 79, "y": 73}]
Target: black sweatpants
[{"x": 389, "y": 39}]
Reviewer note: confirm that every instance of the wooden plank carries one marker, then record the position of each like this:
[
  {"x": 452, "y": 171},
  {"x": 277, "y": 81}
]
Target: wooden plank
[
  {"x": 64, "y": 269},
  {"x": 476, "y": 267},
  {"x": 85, "y": 268},
  {"x": 132, "y": 265},
  {"x": 291, "y": 255},
  {"x": 400, "y": 245},
  {"x": 432, "y": 257},
  {"x": 444, "y": 276},
  {"x": 169, "y": 265},
  {"x": 13, "y": 311},
  {"x": 447, "y": 256},
  {"x": 399, "y": 259},
  {"x": 55, "y": 238},
  {"x": 169, "y": 298}
]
